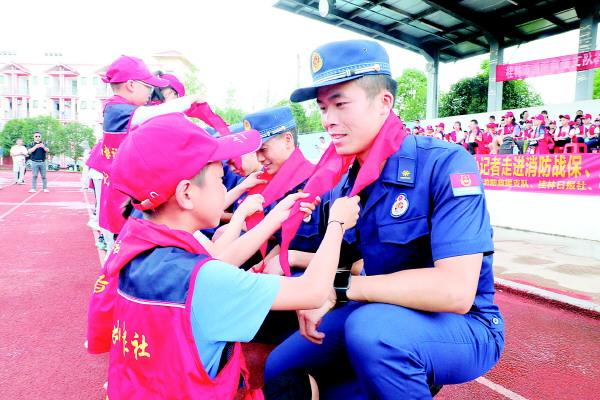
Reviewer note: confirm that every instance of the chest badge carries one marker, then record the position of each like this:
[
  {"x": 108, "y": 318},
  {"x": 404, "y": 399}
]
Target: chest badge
[
  {"x": 307, "y": 218},
  {"x": 400, "y": 206}
]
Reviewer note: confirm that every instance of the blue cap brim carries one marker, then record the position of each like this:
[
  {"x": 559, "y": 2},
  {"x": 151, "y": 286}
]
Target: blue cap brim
[{"x": 310, "y": 92}]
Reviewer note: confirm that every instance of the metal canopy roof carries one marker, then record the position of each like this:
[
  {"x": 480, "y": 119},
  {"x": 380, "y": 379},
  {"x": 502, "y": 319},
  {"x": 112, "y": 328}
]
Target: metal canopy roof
[{"x": 454, "y": 29}]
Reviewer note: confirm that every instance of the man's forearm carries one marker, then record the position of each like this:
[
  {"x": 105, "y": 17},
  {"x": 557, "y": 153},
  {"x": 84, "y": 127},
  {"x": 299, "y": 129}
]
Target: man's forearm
[{"x": 448, "y": 287}]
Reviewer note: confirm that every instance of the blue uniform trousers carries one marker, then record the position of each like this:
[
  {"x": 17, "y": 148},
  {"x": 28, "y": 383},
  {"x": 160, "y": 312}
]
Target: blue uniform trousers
[{"x": 394, "y": 352}]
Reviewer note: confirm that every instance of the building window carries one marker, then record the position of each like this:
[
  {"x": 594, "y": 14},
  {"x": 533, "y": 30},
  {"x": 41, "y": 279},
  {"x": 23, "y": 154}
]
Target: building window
[
  {"x": 35, "y": 104},
  {"x": 83, "y": 104}
]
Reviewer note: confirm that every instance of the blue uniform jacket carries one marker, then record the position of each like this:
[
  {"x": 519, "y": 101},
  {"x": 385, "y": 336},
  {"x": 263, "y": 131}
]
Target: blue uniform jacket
[{"x": 412, "y": 216}]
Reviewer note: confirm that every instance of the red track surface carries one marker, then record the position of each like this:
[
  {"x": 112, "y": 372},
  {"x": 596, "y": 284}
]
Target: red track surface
[{"x": 48, "y": 264}]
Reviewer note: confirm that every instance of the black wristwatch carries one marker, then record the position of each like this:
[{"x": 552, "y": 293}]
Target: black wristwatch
[{"x": 341, "y": 283}]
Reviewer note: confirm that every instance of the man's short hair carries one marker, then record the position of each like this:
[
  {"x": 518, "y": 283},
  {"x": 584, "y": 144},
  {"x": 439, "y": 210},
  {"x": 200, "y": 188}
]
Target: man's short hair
[
  {"x": 374, "y": 84},
  {"x": 474, "y": 120},
  {"x": 492, "y": 116}
]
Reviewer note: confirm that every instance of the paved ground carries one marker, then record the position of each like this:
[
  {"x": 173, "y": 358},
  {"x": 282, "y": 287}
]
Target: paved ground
[
  {"x": 48, "y": 264},
  {"x": 560, "y": 264}
]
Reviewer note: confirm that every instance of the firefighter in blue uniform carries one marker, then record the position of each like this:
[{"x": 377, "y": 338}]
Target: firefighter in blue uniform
[{"x": 422, "y": 312}]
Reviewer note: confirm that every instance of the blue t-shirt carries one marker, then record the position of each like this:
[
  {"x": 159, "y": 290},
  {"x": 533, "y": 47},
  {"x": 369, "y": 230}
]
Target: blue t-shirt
[{"x": 228, "y": 305}]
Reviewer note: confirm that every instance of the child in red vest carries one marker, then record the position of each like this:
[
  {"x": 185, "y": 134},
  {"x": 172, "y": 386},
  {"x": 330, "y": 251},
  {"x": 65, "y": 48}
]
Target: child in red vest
[{"x": 180, "y": 314}]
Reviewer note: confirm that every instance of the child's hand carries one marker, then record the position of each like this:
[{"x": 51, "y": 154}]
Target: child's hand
[
  {"x": 345, "y": 210},
  {"x": 251, "y": 181},
  {"x": 251, "y": 204},
  {"x": 308, "y": 208},
  {"x": 282, "y": 210}
]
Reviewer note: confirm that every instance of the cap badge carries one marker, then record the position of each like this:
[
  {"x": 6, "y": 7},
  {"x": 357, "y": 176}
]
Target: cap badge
[
  {"x": 246, "y": 124},
  {"x": 400, "y": 206},
  {"x": 316, "y": 62}
]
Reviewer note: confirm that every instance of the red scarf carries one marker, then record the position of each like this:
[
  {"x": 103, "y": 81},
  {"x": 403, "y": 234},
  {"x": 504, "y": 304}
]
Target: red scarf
[
  {"x": 292, "y": 173},
  {"x": 203, "y": 112},
  {"x": 333, "y": 166}
]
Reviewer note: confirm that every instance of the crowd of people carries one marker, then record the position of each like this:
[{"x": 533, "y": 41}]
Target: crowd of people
[
  {"x": 538, "y": 134},
  {"x": 216, "y": 239}
]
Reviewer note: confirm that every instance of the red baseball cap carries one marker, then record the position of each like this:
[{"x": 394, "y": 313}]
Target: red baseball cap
[
  {"x": 441, "y": 124},
  {"x": 587, "y": 116},
  {"x": 175, "y": 84},
  {"x": 540, "y": 117},
  {"x": 492, "y": 125},
  {"x": 429, "y": 128},
  {"x": 565, "y": 116},
  {"x": 127, "y": 68},
  {"x": 509, "y": 114},
  {"x": 158, "y": 154}
]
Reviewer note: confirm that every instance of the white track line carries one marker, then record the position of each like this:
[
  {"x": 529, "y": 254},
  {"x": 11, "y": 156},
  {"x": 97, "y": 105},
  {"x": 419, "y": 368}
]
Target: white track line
[
  {"x": 548, "y": 295},
  {"x": 509, "y": 394},
  {"x": 25, "y": 201}
]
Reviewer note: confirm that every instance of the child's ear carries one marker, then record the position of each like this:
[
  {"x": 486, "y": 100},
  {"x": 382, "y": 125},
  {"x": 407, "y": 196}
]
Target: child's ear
[{"x": 183, "y": 194}]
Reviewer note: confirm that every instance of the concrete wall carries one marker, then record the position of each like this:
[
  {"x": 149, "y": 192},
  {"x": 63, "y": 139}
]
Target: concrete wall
[{"x": 556, "y": 214}]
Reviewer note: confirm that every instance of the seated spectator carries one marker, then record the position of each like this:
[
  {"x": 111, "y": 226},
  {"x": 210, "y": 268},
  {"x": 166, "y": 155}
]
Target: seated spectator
[
  {"x": 439, "y": 131},
  {"x": 484, "y": 146},
  {"x": 563, "y": 134},
  {"x": 473, "y": 137},
  {"x": 524, "y": 117},
  {"x": 429, "y": 131},
  {"x": 456, "y": 135},
  {"x": 536, "y": 136},
  {"x": 592, "y": 136}
]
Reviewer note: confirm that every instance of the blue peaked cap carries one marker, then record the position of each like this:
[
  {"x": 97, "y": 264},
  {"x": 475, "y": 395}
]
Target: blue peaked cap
[
  {"x": 270, "y": 122},
  {"x": 339, "y": 62}
]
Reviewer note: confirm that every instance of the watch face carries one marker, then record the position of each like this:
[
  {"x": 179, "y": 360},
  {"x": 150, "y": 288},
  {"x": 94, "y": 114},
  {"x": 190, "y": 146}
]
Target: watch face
[{"x": 341, "y": 279}]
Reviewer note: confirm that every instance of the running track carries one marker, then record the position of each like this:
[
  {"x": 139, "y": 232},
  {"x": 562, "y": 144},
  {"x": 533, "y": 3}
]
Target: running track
[{"x": 48, "y": 264}]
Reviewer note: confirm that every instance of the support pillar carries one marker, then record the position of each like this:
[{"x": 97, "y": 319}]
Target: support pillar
[
  {"x": 494, "y": 102},
  {"x": 433, "y": 65},
  {"x": 588, "y": 31}
]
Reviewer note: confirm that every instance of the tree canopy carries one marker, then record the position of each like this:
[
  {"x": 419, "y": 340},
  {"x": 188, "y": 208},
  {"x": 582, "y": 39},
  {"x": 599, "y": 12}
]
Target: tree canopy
[
  {"x": 469, "y": 95},
  {"x": 58, "y": 137},
  {"x": 411, "y": 95}
]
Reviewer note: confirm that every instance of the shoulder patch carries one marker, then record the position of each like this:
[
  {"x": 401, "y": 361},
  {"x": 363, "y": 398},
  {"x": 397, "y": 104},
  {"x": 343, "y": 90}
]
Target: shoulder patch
[{"x": 466, "y": 184}]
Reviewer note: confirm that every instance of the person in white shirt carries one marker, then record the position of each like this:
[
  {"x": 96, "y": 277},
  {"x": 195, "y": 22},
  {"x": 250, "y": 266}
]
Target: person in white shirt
[{"x": 18, "y": 153}]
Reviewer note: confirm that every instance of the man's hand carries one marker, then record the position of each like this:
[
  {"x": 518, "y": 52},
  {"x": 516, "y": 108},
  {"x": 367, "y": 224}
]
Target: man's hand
[
  {"x": 309, "y": 320},
  {"x": 272, "y": 266}
]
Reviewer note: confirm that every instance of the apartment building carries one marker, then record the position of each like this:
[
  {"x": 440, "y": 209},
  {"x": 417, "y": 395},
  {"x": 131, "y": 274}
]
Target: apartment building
[{"x": 68, "y": 89}]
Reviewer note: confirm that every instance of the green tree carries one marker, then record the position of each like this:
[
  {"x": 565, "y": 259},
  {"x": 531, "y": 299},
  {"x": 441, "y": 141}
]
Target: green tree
[
  {"x": 192, "y": 83},
  {"x": 58, "y": 137},
  {"x": 596, "y": 84},
  {"x": 411, "y": 95},
  {"x": 23, "y": 128},
  {"x": 73, "y": 138},
  {"x": 469, "y": 95},
  {"x": 305, "y": 122}
]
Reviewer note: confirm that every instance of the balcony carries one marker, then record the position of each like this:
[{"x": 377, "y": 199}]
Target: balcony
[{"x": 19, "y": 90}]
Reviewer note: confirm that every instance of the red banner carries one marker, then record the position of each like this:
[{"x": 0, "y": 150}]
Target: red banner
[
  {"x": 548, "y": 66},
  {"x": 551, "y": 173}
]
